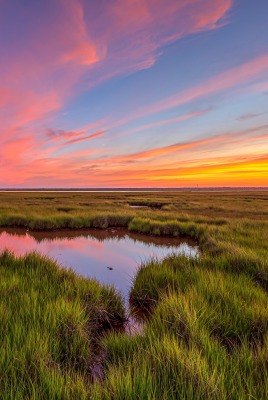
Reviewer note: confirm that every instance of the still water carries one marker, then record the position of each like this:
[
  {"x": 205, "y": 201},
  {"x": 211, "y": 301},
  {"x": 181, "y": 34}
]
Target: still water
[{"x": 111, "y": 256}]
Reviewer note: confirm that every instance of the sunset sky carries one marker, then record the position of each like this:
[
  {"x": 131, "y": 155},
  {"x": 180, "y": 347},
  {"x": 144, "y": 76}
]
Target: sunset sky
[{"x": 133, "y": 93}]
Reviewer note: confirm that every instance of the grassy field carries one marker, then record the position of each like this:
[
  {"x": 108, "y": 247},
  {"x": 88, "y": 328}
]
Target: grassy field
[{"x": 206, "y": 331}]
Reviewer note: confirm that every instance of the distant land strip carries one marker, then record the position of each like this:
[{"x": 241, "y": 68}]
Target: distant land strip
[{"x": 198, "y": 189}]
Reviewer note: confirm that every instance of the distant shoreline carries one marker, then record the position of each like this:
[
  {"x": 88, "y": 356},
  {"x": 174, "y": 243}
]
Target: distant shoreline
[{"x": 96, "y": 190}]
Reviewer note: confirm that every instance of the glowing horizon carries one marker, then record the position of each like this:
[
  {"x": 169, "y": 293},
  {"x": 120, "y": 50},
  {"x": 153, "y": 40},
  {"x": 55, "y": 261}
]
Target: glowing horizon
[{"x": 133, "y": 93}]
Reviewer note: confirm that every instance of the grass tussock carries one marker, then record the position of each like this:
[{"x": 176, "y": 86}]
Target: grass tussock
[
  {"x": 165, "y": 228},
  {"x": 205, "y": 339},
  {"x": 51, "y": 321}
]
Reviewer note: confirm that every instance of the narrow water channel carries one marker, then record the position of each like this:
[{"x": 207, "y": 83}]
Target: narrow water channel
[{"x": 111, "y": 256}]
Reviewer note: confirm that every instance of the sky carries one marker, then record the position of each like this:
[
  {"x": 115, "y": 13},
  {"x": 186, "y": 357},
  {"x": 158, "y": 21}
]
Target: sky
[{"x": 133, "y": 93}]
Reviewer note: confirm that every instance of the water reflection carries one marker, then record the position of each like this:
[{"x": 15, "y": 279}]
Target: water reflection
[{"x": 112, "y": 256}]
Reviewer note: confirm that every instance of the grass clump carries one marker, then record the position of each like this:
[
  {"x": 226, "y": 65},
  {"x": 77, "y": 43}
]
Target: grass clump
[
  {"x": 205, "y": 339},
  {"x": 147, "y": 203},
  {"x": 51, "y": 321},
  {"x": 165, "y": 228}
]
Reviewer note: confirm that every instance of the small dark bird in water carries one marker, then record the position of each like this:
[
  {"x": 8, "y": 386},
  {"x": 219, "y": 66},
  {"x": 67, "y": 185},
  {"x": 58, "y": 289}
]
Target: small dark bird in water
[{"x": 110, "y": 268}]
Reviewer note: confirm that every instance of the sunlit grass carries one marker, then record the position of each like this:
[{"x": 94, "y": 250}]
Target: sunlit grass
[
  {"x": 51, "y": 321},
  {"x": 206, "y": 329},
  {"x": 205, "y": 339}
]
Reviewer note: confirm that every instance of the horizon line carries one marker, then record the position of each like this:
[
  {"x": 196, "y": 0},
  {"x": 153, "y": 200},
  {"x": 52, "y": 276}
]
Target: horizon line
[{"x": 134, "y": 188}]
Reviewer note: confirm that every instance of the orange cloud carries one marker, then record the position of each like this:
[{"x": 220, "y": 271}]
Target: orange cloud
[
  {"x": 224, "y": 139},
  {"x": 201, "y": 159},
  {"x": 233, "y": 171}
]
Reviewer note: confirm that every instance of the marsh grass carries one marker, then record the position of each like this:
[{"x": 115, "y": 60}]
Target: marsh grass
[
  {"x": 206, "y": 330},
  {"x": 51, "y": 321},
  {"x": 205, "y": 339}
]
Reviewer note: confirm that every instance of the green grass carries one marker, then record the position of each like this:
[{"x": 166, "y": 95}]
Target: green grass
[
  {"x": 206, "y": 329},
  {"x": 207, "y": 337},
  {"x": 51, "y": 322}
]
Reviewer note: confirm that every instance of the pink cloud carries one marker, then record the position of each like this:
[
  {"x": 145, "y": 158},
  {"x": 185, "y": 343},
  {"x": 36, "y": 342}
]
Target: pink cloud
[
  {"x": 132, "y": 32},
  {"x": 29, "y": 169},
  {"x": 43, "y": 71},
  {"x": 11, "y": 149},
  {"x": 241, "y": 74},
  {"x": 94, "y": 135},
  {"x": 70, "y": 137}
]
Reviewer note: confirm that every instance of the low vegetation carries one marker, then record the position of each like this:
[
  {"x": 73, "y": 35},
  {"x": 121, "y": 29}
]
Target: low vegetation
[
  {"x": 51, "y": 321},
  {"x": 206, "y": 319}
]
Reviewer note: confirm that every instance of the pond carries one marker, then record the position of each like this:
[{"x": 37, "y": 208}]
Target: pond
[{"x": 111, "y": 256}]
